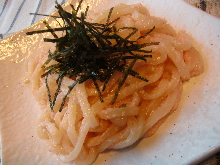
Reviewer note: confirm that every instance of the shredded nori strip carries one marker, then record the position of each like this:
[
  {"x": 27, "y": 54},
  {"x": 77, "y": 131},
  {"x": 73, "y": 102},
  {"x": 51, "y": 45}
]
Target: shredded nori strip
[{"x": 85, "y": 51}]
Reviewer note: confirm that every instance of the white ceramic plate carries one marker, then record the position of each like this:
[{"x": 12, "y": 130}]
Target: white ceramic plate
[{"x": 190, "y": 135}]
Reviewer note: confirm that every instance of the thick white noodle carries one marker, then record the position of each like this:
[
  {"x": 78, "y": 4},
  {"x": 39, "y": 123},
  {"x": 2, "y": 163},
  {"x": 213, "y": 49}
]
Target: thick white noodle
[
  {"x": 86, "y": 126},
  {"x": 88, "y": 112}
]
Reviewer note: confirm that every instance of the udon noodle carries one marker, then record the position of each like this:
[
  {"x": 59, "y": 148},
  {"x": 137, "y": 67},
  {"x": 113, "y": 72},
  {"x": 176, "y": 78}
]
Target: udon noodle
[{"x": 86, "y": 126}]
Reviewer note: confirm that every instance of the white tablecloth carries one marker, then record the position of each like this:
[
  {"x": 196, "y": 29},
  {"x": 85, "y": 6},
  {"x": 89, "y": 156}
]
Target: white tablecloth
[{"x": 14, "y": 14}]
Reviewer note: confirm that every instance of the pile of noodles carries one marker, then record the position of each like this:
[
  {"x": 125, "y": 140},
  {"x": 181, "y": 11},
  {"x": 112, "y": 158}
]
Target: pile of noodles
[{"x": 86, "y": 126}]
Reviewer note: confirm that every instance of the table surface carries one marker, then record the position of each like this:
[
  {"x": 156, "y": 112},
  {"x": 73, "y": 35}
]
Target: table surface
[{"x": 12, "y": 11}]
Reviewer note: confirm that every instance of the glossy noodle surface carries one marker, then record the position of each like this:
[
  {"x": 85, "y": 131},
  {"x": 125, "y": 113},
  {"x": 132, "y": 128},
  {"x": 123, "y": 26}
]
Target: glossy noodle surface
[{"x": 86, "y": 126}]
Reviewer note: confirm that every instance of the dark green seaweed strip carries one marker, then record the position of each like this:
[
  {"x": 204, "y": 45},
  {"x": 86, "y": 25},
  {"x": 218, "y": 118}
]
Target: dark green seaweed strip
[
  {"x": 48, "y": 92},
  {"x": 85, "y": 51},
  {"x": 48, "y": 30},
  {"x": 126, "y": 73}
]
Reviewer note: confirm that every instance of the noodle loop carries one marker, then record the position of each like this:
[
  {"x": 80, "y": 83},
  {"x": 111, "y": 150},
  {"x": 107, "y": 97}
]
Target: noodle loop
[{"x": 86, "y": 126}]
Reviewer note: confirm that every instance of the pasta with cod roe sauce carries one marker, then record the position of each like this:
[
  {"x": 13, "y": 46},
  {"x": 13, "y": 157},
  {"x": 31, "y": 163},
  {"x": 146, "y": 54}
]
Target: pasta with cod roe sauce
[{"x": 87, "y": 126}]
